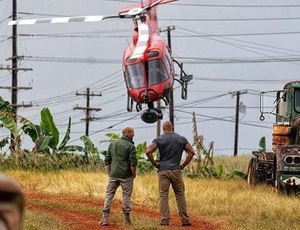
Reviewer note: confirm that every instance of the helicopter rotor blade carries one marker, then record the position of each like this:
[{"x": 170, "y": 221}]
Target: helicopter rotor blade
[
  {"x": 92, "y": 18},
  {"x": 147, "y": 8},
  {"x": 138, "y": 10},
  {"x": 154, "y": 4}
]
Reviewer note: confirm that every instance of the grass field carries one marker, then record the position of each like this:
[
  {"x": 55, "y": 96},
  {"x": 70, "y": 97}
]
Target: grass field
[{"x": 229, "y": 203}]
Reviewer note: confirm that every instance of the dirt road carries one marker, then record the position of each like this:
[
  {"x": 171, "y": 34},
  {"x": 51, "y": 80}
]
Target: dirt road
[{"x": 82, "y": 221}]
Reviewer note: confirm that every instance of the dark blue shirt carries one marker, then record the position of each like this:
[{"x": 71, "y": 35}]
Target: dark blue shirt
[{"x": 171, "y": 147}]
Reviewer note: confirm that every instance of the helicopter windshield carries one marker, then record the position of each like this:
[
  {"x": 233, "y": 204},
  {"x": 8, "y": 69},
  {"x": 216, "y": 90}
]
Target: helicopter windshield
[
  {"x": 134, "y": 76},
  {"x": 156, "y": 72}
]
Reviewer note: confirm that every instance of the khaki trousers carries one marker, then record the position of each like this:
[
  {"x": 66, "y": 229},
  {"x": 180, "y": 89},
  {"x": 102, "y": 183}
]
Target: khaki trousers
[
  {"x": 127, "y": 188},
  {"x": 174, "y": 178}
]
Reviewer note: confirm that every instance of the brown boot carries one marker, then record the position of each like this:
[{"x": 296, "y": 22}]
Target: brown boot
[
  {"x": 127, "y": 218},
  {"x": 104, "y": 219}
]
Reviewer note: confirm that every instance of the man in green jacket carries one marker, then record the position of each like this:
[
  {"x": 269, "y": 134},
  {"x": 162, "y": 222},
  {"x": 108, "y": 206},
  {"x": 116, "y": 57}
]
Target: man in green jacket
[{"x": 121, "y": 163}]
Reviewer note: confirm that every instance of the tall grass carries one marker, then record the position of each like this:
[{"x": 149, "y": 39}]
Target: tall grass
[
  {"x": 229, "y": 203},
  {"x": 231, "y": 163}
]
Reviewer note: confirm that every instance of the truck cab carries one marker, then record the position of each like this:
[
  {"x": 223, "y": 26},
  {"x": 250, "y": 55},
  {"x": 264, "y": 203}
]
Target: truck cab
[{"x": 281, "y": 166}]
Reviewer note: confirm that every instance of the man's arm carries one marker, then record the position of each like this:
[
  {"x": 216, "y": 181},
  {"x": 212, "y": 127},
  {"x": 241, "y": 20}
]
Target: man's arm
[
  {"x": 133, "y": 171},
  {"x": 133, "y": 161},
  {"x": 108, "y": 169},
  {"x": 107, "y": 160},
  {"x": 190, "y": 151},
  {"x": 149, "y": 152}
]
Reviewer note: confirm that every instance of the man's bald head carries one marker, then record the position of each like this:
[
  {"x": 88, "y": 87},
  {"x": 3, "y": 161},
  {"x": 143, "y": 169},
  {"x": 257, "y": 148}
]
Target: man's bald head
[
  {"x": 128, "y": 132},
  {"x": 167, "y": 127}
]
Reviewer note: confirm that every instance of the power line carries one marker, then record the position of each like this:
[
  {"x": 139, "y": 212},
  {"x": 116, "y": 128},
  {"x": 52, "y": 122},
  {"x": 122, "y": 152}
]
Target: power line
[
  {"x": 238, "y": 5},
  {"x": 73, "y": 60},
  {"x": 228, "y": 19},
  {"x": 228, "y": 60}
]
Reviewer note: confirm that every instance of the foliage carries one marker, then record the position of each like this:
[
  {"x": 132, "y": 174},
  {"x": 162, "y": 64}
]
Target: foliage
[
  {"x": 144, "y": 165},
  {"x": 9, "y": 121},
  {"x": 6, "y": 115},
  {"x": 111, "y": 137},
  {"x": 46, "y": 136},
  {"x": 4, "y": 142},
  {"x": 203, "y": 165},
  {"x": 50, "y": 162},
  {"x": 48, "y": 125},
  {"x": 89, "y": 146},
  {"x": 262, "y": 144}
]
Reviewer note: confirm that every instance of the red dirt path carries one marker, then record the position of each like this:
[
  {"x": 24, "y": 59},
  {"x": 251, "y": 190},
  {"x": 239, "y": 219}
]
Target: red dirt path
[{"x": 82, "y": 221}]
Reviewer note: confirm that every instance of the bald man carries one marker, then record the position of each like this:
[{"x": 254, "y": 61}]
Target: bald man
[
  {"x": 171, "y": 146},
  {"x": 11, "y": 204},
  {"x": 121, "y": 163}
]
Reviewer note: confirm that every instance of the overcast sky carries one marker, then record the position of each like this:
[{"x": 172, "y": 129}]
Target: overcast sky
[{"x": 228, "y": 46}]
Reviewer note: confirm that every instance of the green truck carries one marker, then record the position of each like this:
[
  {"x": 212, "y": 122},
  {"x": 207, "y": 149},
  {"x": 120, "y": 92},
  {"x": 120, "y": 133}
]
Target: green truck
[{"x": 281, "y": 166}]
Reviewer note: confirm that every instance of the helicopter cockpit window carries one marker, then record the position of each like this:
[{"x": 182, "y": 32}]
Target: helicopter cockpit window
[
  {"x": 152, "y": 54},
  {"x": 297, "y": 100},
  {"x": 134, "y": 76},
  {"x": 156, "y": 72}
]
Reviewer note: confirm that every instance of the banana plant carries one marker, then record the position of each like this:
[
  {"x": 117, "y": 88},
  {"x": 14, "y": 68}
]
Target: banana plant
[
  {"x": 46, "y": 136},
  {"x": 144, "y": 165},
  {"x": 111, "y": 137},
  {"x": 9, "y": 121},
  {"x": 89, "y": 146},
  {"x": 262, "y": 144},
  {"x": 4, "y": 142}
]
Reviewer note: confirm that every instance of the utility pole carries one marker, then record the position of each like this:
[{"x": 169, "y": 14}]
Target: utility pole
[
  {"x": 237, "y": 110},
  {"x": 158, "y": 123},
  {"x": 87, "y": 109},
  {"x": 14, "y": 60},
  {"x": 171, "y": 102},
  {"x": 14, "y": 69}
]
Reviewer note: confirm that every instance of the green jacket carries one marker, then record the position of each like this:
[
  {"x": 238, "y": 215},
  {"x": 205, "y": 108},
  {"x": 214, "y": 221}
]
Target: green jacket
[{"x": 121, "y": 155}]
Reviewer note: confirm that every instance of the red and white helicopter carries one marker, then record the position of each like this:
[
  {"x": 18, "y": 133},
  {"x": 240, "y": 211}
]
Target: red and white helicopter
[{"x": 148, "y": 66}]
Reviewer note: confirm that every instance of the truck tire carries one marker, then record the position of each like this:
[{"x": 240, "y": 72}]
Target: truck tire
[{"x": 252, "y": 172}]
